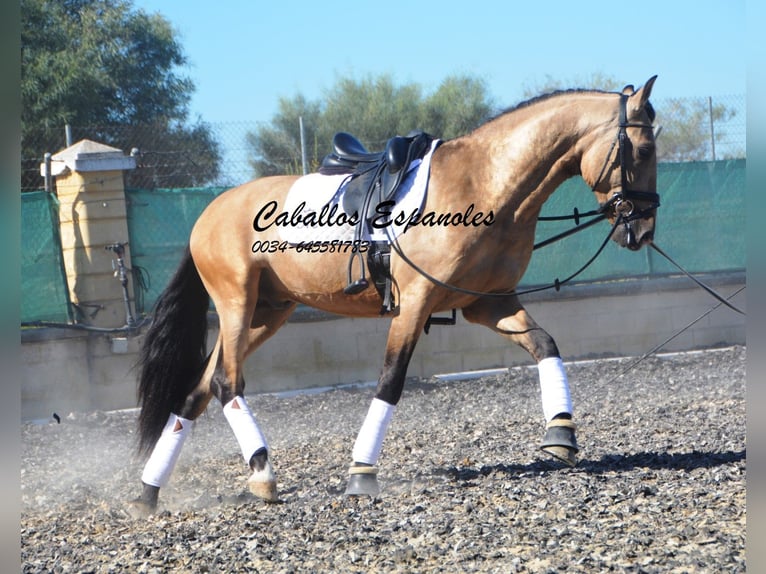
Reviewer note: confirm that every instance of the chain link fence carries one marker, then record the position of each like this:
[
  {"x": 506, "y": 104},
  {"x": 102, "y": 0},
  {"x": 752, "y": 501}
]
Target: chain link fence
[
  {"x": 219, "y": 155},
  {"x": 702, "y": 129}
]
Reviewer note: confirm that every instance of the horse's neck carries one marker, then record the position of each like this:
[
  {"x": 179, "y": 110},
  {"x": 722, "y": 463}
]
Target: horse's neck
[{"x": 531, "y": 151}]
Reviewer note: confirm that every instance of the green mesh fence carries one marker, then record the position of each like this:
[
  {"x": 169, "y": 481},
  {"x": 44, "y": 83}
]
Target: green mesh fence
[
  {"x": 159, "y": 224},
  {"x": 704, "y": 228},
  {"x": 44, "y": 293},
  {"x": 700, "y": 224}
]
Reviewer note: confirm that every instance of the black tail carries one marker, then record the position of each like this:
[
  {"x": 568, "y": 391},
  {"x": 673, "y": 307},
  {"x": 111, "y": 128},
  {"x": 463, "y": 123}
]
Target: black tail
[{"x": 173, "y": 353}]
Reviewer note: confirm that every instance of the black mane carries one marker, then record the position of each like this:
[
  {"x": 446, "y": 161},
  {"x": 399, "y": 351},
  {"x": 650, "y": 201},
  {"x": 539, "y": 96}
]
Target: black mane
[
  {"x": 548, "y": 96},
  {"x": 541, "y": 98}
]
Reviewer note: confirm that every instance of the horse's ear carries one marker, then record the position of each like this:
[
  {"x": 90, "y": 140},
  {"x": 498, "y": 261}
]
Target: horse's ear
[
  {"x": 629, "y": 90},
  {"x": 639, "y": 98}
]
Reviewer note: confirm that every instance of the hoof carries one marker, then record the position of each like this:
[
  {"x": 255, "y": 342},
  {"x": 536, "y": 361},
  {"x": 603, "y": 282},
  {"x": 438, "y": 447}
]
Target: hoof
[
  {"x": 264, "y": 490},
  {"x": 263, "y": 484},
  {"x": 146, "y": 504},
  {"x": 363, "y": 481},
  {"x": 139, "y": 508},
  {"x": 560, "y": 441},
  {"x": 562, "y": 453}
]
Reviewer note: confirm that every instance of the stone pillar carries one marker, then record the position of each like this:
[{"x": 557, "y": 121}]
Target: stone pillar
[{"x": 92, "y": 213}]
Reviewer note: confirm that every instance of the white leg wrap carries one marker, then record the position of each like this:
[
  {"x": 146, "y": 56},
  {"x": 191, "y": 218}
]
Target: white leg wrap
[
  {"x": 246, "y": 430},
  {"x": 165, "y": 454},
  {"x": 369, "y": 442},
  {"x": 554, "y": 388}
]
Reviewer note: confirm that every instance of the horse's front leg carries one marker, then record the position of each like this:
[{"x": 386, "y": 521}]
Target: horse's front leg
[
  {"x": 402, "y": 338},
  {"x": 509, "y": 318}
]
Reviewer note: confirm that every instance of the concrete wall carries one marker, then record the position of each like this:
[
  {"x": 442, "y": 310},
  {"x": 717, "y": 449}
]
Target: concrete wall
[{"x": 66, "y": 371}]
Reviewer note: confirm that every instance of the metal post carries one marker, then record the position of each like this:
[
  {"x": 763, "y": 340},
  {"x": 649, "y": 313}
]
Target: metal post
[
  {"x": 303, "y": 145},
  {"x": 712, "y": 131},
  {"x": 48, "y": 176},
  {"x": 122, "y": 274},
  {"x": 68, "y": 134}
]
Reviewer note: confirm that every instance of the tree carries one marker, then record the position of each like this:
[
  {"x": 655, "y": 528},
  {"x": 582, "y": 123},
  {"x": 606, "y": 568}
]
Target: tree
[
  {"x": 373, "y": 109},
  {"x": 685, "y": 121},
  {"x": 276, "y": 148},
  {"x": 458, "y": 106},
  {"x": 686, "y": 128},
  {"x": 101, "y": 64}
]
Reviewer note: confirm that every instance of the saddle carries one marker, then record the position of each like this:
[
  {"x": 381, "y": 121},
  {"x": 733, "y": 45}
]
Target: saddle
[{"x": 374, "y": 178}]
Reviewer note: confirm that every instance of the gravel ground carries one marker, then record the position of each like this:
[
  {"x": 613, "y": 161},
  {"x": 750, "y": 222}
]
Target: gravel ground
[{"x": 660, "y": 486}]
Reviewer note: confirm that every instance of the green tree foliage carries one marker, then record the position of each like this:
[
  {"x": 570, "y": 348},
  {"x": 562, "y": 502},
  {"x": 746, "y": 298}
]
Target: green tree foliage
[
  {"x": 457, "y": 107},
  {"x": 686, "y": 128},
  {"x": 104, "y": 65},
  {"x": 276, "y": 148},
  {"x": 373, "y": 109}
]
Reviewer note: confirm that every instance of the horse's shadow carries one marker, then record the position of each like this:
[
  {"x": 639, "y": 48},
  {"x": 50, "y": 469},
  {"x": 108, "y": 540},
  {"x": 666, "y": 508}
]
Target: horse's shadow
[{"x": 686, "y": 461}]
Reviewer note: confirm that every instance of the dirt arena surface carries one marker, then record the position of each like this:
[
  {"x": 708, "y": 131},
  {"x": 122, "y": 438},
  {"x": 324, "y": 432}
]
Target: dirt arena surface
[{"x": 660, "y": 484}]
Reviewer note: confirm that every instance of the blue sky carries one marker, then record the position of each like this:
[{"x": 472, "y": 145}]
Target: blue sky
[{"x": 245, "y": 55}]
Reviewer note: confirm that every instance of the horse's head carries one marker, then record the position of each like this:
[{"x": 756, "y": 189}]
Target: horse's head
[{"x": 620, "y": 166}]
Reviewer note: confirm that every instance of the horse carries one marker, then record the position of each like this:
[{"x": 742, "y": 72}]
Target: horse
[{"x": 505, "y": 170}]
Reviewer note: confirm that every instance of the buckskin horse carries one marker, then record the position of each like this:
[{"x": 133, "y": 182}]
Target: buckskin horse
[{"x": 485, "y": 191}]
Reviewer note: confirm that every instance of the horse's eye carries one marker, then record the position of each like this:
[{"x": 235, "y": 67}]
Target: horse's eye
[{"x": 645, "y": 151}]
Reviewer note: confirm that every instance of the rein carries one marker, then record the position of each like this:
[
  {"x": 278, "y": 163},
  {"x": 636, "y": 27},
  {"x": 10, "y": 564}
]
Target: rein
[
  {"x": 555, "y": 285},
  {"x": 648, "y": 354},
  {"x": 599, "y": 215},
  {"x": 710, "y": 290}
]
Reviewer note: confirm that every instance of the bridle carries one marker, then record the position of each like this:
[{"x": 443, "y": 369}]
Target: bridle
[
  {"x": 621, "y": 201},
  {"x": 621, "y": 204}
]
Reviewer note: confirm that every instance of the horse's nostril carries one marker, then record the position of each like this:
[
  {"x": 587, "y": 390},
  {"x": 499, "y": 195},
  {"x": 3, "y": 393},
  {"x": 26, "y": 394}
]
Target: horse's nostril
[{"x": 645, "y": 236}]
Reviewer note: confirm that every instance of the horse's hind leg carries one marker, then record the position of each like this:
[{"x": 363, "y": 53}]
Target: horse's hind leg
[
  {"x": 167, "y": 449},
  {"x": 508, "y": 318},
  {"x": 241, "y": 332},
  {"x": 216, "y": 382}
]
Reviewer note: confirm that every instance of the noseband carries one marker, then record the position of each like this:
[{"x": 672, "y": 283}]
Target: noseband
[{"x": 622, "y": 201}]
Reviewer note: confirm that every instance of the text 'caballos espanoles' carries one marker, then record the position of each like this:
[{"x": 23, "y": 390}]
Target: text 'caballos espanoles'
[{"x": 332, "y": 216}]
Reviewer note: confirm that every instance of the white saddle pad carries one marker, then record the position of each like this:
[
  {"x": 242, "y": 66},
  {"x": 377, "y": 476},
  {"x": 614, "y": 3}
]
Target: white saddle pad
[{"x": 318, "y": 199}]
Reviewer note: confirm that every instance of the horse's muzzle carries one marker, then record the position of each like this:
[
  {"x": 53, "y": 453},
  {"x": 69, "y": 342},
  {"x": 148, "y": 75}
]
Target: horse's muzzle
[{"x": 635, "y": 234}]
